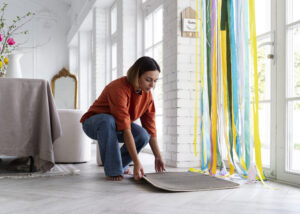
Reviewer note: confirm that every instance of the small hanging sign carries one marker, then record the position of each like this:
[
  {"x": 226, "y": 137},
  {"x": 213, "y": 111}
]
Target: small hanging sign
[{"x": 188, "y": 23}]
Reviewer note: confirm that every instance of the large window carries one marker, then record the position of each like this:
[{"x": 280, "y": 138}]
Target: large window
[
  {"x": 278, "y": 52},
  {"x": 278, "y": 28},
  {"x": 153, "y": 31}
]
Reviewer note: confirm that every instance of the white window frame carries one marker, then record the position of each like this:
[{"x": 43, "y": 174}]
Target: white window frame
[
  {"x": 113, "y": 42},
  {"x": 282, "y": 98},
  {"x": 150, "y": 7}
]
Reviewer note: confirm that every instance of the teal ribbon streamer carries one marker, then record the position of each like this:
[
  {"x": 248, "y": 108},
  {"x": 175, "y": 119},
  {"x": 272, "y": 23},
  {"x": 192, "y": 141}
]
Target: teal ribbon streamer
[
  {"x": 234, "y": 72},
  {"x": 247, "y": 86},
  {"x": 237, "y": 25}
]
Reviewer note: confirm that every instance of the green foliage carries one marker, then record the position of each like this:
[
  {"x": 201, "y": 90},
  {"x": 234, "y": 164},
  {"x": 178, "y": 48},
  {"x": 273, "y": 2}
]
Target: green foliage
[{"x": 261, "y": 74}]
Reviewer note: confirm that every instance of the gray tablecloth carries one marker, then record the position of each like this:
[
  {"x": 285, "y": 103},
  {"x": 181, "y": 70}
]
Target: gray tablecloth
[{"x": 29, "y": 123}]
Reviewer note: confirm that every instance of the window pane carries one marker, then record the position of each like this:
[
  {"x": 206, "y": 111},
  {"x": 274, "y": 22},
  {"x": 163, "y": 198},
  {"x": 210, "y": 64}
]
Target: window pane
[
  {"x": 264, "y": 131},
  {"x": 148, "y": 31},
  {"x": 158, "y": 23},
  {"x": 293, "y": 61},
  {"x": 149, "y": 52},
  {"x": 114, "y": 56},
  {"x": 113, "y": 21},
  {"x": 157, "y": 53},
  {"x": 262, "y": 16},
  {"x": 263, "y": 71},
  {"x": 264, "y": 110},
  {"x": 114, "y": 74},
  {"x": 293, "y": 146},
  {"x": 293, "y": 7}
]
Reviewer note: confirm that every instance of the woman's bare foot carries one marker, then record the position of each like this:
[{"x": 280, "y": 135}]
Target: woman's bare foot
[
  {"x": 115, "y": 178},
  {"x": 127, "y": 171}
]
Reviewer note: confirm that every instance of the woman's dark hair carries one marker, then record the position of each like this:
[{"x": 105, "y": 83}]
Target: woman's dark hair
[{"x": 141, "y": 66}]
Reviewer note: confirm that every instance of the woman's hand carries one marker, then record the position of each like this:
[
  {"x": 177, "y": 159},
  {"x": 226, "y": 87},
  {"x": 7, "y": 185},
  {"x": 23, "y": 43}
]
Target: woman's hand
[
  {"x": 138, "y": 171},
  {"x": 159, "y": 165}
]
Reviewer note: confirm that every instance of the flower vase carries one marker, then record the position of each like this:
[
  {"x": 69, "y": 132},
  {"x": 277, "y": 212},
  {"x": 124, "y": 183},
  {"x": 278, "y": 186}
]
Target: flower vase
[{"x": 14, "y": 67}]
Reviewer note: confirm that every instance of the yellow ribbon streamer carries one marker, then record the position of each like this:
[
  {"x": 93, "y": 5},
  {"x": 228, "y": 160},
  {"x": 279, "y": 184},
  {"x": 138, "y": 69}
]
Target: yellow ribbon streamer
[
  {"x": 257, "y": 143},
  {"x": 214, "y": 105},
  {"x": 196, "y": 84}
]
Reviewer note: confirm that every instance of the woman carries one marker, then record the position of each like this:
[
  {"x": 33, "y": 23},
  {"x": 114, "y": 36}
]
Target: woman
[{"x": 110, "y": 120}]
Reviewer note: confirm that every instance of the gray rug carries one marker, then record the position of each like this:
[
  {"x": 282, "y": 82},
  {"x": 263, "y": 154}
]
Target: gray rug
[
  {"x": 18, "y": 168},
  {"x": 187, "y": 181}
]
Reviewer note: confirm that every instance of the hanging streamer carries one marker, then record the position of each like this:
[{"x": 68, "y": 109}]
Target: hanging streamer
[
  {"x": 225, "y": 109},
  {"x": 257, "y": 143},
  {"x": 196, "y": 84},
  {"x": 214, "y": 90},
  {"x": 247, "y": 85}
]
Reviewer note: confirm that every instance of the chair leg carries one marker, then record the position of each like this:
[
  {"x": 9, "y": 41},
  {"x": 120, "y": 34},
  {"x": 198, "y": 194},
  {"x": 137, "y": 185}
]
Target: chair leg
[{"x": 31, "y": 166}]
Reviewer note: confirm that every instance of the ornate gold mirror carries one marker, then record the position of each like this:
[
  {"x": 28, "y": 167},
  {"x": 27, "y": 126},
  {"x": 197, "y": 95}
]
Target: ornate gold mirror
[{"x": 64, "y": 89}]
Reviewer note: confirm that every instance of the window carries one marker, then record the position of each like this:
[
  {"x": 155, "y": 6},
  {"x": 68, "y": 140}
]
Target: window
[
  {"x": 113, "y": 20},
  {"x": 153, "y": 38},
  {"x": 293, "y": 86},
  {"x": 114, "y": 74},
  {"x": 113, "y": 30}
]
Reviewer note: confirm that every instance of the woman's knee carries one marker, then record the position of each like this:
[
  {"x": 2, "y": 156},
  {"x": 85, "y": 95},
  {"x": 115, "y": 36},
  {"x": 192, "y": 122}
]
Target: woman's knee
[{"x": 143, "y": 136}]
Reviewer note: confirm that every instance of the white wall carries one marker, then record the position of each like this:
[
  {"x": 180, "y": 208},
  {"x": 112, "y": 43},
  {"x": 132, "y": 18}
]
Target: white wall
[{"x": 46, "y": 50}]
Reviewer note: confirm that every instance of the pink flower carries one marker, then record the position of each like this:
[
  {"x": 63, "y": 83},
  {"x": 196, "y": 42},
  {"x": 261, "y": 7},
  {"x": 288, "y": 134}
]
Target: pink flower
[
  {"x": 1, "y": 37},
  {"x": 11, "y": 41}
]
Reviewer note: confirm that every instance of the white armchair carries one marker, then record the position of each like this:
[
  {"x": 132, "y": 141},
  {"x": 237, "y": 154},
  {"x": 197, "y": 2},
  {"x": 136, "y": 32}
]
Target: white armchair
[{"x": 73, "y": 146}]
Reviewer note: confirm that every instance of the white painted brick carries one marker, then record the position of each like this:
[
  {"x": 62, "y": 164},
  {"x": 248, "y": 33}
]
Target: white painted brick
[
  {"x": 174, "y": 156},
  {"x": 172, "y": 147},
  {"x": 183, "y": 58},
  {"x": 185, "y": 121},
  {"x": 184, "y": 41},
  {"x": 183, "y": 94},
  {"x": 182, "y": 130},
  {"x": 172, "y": 129},
  {"x": 184, "y": 74},
  {"x": 183, "y": 148},
  {"x": 171, "y": 95},
  {"x": 184, "y": 139},
  {"x": 186, "y": 84}
]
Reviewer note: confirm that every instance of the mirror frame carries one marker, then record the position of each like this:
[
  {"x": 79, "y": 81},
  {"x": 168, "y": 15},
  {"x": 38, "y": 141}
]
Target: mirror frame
[{"x": 64, "y": 73}]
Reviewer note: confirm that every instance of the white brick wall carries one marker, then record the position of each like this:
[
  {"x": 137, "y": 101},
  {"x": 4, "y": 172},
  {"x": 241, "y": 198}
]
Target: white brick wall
[{"x": 179, "y": 89}]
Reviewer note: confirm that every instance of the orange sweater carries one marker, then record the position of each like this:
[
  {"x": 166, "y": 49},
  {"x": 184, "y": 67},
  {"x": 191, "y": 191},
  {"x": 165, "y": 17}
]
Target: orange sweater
[{"x": 121, "y": 101}]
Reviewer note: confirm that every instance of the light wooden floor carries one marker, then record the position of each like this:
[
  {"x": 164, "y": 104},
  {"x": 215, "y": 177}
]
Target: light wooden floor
[{"x": 90, "y": 193}]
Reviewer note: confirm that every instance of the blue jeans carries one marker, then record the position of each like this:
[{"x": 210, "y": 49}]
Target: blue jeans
[{"x": 102, "y": 127}]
